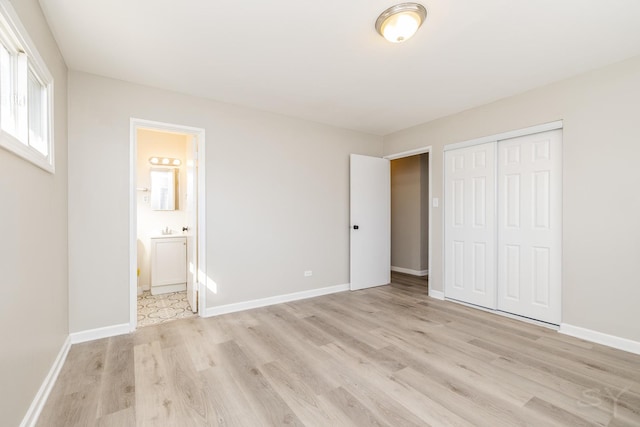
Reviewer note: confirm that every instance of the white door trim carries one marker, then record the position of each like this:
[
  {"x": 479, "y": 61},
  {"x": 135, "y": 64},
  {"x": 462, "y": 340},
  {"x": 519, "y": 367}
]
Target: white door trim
[
  {"x": 415, "y": 152},
  {"x": 199, "y": 133},
  {"x": 506, "y": 135},
  {"x": 408, "y": 153}
]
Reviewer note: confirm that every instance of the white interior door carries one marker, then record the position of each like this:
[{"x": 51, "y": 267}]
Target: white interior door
[
  {"x": 191, "y": 205},
  {"x": 470, "y": 233},
  {"x": 370, "y": 222},
  {"x": 530, "y": 221}
]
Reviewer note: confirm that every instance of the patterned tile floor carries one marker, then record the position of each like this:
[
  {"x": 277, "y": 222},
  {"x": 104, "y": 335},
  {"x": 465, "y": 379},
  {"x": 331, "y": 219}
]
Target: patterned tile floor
[{"x": 155, "y": 309}]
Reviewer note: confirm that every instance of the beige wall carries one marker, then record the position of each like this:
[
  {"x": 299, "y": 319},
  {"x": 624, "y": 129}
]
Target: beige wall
[
  {"x": 601, "y": 200},
  {"x": 409, "y": 212},
  {"x": 277, "y": 197},
  {"x": 424, "y": 212},
  {"x": 150, "y": 222},
  {"x": 33, "y": 254},
  {"x": 405, "y": 213}
]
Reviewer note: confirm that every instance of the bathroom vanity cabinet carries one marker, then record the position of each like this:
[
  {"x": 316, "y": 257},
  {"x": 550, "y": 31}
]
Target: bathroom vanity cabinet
[{"x": 168, "y": 264}]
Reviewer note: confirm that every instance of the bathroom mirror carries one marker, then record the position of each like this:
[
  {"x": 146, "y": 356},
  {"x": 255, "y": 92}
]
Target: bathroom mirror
[{"x": 163, "y": 189}]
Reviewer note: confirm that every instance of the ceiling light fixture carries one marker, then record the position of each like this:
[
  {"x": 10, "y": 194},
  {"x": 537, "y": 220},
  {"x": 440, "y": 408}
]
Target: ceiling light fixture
[{"x": 400, "y": 22}]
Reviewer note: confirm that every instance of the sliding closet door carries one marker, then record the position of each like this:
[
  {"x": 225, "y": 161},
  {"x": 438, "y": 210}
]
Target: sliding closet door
[
  {"x": 529, "y": 225},
  {"x": 470, "y": 233}
]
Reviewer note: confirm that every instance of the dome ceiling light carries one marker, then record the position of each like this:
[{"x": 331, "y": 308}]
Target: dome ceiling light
[{"x": 400, "y": 22}]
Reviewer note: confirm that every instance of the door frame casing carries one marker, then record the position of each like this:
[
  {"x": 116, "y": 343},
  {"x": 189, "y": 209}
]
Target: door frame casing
[
  {"x": 415, "y": 152},
  {"x": 200, "y": 277}
]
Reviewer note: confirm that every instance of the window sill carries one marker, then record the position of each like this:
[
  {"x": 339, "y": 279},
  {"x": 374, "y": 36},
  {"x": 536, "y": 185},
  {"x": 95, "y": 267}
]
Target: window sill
[{"x": 12, "y": 144}]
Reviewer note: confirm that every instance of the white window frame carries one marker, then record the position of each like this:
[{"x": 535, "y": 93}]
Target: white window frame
[{"x": 12, "y": 32}]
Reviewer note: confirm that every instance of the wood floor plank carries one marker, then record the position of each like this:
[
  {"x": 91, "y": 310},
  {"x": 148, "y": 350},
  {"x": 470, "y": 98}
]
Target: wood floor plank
[
  {"x": 200, "y": 345},
  {"x": 348, "y": 315},
  {"x": 244, "y": 337},
  {"x": 124, "y": 417},
  {"x": 384, "y": 408},
  {"x": 184, "y": 381},
  {"x": 297, "y": 326},
  {"x": 216, "y": 332},
  {"x": 354, "y": 341},
  {"x": 359, "y": 372},
  {"x": 588, "y": 357},
  {"x": 354, "y": 302},
  {"x": 585, "y": 376},
  {"x": 426, "y": 336},
  {"x": 311, "y": 408},
  {"x": 491, "y": 325},
  {"x": 374, "y": 398},
  {"x": 76, "y": 396},
  {"x": 298, "y": 362},
  {"x": 555, "y": 415},
  {"x": 416, "y": 283},
  {"x": 352, "y": 408},
  {"x": 155, "y": 402},
  {"x": 389, "y": 355},
  {"x": 88, "y": 360},
  {"x": 572, "y": 397},
  {"x": 462, "y": 399},
  {"x": 79, "y": 408},
  {"x": 261, "y": 395},
  {"x": 226, "y": 402},
  {"x": 457, "y": 367},
  {"x": 341, "y": 327},
  {"x": 117, "y": 388},
  {"x": 170, "y": 335},
  {"x": 589, "y": 365},
  {"x": 496, "y": 380}
]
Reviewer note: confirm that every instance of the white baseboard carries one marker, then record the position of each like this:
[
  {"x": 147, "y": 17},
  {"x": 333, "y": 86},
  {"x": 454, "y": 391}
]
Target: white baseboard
[
  {"x": 436, "y": 294},
  {"x": 263, "y": 302},
  {"x": 31, "y": 417},
  {"x": 497, "y": 312},
  {"x": 98, "y": 333},
  {"x": 601, "y": 338},
  {"x": 410, "y": 271}
]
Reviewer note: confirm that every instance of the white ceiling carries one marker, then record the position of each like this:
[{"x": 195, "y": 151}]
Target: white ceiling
[{"x": 323, "y": 60}]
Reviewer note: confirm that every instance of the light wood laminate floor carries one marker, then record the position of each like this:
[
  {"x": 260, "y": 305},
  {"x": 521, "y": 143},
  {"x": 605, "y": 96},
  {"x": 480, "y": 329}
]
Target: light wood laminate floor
[{"x": 387, "y": 356}]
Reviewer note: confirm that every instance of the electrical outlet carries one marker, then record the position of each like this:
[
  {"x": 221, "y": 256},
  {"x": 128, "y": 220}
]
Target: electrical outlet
[{"x": 308, "y": 273}]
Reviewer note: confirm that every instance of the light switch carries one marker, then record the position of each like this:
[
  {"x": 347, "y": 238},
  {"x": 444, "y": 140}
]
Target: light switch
[{"x": 436, "y": 202}]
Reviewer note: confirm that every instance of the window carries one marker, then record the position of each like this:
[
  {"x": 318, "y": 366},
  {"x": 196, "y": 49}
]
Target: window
[{"x": 26, "y": 92}]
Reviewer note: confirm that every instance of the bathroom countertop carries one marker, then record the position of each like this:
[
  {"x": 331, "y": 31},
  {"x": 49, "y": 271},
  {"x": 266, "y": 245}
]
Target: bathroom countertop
[{"x": 167, "y": 236}]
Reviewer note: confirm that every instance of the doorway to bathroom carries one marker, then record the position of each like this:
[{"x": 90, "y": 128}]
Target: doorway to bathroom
[{"x": 166, "y": 223}]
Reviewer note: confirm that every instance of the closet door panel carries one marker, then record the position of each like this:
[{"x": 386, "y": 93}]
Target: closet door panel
[
  {"x": 529, "y": 226},
  {"x": 470, "y": 232}
]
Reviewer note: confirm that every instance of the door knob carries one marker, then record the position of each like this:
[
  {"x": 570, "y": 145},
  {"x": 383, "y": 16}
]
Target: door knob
[
  {"x": 185, "y": 229},
  {"x": 355, "y": 227}
]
